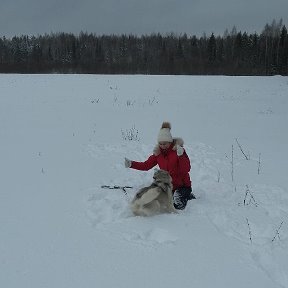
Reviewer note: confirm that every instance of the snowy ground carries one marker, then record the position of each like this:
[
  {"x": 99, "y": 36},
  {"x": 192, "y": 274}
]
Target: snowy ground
[{"x": 63, "y": 136}]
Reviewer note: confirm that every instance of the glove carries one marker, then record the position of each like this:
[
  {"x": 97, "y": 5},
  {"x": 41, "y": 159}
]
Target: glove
[
  {"x": 179, "y": 150},
  {"x": 128, "y": 163}
]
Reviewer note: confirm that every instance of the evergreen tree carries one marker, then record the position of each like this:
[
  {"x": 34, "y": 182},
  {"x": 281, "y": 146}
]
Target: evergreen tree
[{"x": 235, "y": 53}]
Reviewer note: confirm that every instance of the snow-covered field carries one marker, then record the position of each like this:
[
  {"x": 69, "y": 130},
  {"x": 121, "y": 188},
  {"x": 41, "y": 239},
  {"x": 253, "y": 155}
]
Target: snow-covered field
[{"x": 63, "y": 136}]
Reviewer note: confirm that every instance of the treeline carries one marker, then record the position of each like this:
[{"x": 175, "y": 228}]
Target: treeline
[{"x": 234, "y": 53}]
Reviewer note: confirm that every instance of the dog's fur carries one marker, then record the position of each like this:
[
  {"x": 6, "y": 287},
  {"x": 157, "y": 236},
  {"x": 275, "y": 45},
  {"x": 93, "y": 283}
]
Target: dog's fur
[{"x": 156, "y": 198}]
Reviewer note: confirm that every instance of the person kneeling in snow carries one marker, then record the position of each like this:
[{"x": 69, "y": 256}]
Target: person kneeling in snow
[{"x": 170, "y": 156}]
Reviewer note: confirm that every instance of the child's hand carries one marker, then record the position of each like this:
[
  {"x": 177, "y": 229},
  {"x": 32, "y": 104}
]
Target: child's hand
[{"x": 127, "y": 163}]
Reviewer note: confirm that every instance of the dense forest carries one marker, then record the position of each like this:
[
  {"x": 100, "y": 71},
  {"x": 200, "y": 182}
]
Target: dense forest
[{"x": 234, "y": 53}]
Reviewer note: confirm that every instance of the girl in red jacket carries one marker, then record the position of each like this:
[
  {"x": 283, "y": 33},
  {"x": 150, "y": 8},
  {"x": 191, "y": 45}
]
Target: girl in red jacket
[{"x": 170, "y": 155}]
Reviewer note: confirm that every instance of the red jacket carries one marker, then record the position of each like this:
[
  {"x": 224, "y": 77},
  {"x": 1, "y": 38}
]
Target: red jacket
[{"x": 177, "y": 166}]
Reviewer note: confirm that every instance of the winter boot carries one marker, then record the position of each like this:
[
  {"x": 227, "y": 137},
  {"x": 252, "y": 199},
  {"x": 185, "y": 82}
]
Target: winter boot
[
  {"x": 191, "y": 196},
  {"x": 180, "y": 201}
]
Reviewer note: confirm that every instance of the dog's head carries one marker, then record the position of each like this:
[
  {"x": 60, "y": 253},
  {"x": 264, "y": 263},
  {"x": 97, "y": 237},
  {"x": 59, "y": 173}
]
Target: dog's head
[{"x": 162, "y": 176}]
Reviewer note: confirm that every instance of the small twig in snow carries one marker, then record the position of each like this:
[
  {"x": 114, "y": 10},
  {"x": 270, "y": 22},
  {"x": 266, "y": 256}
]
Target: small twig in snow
[
  {"x": 277, "y": 232},
  {"x": 240, "y": 147},
  {"x": 232, "y": 164},
  {"x": 250, "y": 233},
  {"x": 259, "y": 163},
  {"x": 218, "y": 176},
  {"x": 131, "y": 134},
  {"x": 252, "y": 199}
]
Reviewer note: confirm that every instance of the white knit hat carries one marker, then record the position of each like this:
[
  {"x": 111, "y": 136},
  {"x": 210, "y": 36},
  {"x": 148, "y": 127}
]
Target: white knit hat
[{"x": 164, "y": 133}]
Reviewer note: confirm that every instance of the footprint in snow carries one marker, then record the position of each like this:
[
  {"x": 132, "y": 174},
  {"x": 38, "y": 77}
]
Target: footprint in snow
[{"x": 154, "y": 236}]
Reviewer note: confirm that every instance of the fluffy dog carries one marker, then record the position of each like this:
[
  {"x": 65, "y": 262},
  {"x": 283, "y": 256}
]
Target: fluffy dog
[{"x": 156, "y": 198}]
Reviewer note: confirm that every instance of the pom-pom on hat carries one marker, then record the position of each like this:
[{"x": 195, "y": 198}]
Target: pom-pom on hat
[{"x": 164, "y": 133}]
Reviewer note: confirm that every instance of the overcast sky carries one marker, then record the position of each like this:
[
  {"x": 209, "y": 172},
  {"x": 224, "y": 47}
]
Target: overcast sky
[{"x": 194, "y": 17}]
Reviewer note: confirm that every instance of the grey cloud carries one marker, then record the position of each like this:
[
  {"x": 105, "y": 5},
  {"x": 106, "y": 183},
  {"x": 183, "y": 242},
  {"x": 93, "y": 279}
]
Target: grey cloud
[{"x": 137, "y": 17}]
